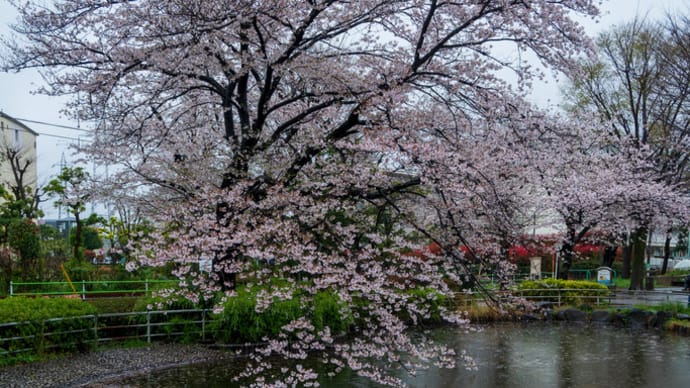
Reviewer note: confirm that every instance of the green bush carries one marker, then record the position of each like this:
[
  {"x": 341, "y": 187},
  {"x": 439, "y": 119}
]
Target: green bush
[
  {"x": 673, "y": 308},
  {"x": 24, "y": 236},
  {"x": 241, "y": 323},
  {"x": 180, "y": 326},
  {"x": 43, "y": 325},
  {"x": 331, "y": 312},
  {"x": 427, "y": 298},
  {"x": 573, "y": 292}
]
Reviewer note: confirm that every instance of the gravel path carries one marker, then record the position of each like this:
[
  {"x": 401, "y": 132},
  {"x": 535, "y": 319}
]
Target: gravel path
[{"x": 96, "y": 368}]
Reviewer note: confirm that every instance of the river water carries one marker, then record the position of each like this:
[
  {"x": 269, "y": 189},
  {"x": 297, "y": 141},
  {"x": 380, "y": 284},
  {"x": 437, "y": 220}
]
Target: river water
[{"x": 512, "y": 355}]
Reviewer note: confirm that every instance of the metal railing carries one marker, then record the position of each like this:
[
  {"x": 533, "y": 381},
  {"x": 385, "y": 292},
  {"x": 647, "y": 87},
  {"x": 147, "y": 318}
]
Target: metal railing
[
  {"x": 85, "y": 288},
  {"x": 91, "y": 330}
]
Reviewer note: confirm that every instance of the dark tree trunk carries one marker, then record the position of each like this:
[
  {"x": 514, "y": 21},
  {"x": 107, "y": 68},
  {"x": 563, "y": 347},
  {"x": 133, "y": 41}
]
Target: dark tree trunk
[
  {"x": 76, "y": 248},
  {"x": 609, "y": 256},
  {"x": 6, "y": 266},
  {"x": 639, "y": 245},
  {"x": 667, "y": 251},
  {"x": 566, "y": 260},
  {"x": 627, "y": 254}
]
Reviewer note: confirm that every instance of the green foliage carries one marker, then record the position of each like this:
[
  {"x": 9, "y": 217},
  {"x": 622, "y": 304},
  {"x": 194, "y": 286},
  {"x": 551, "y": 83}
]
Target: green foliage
[
  {"x": 79, "y": 270},
  {"x": 24, "y": 236},
  {"x": 89, "y": 238},
  {"x": 69, "y": 179},
  {"x": 43, "y": 325},
  {"x": 69, "y": 187},
  {"x": 19, "y": 309},
  {"x": 240, "y": 323},
  {"x": 572, "y": 292},
  {"x": 11, "y": 207},
  {"x": 329, "y": 311},
  {"x": 155, "y": 301},
  {"x": 430, "y": 300},
  {"x": 673, "y": 308},
  {"x": 123, "y": 304}
]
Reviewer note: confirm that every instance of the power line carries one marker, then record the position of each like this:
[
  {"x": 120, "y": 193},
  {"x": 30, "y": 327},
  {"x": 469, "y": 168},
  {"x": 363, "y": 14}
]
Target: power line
[
  {"x": 53, "y": 125},
  {"x": 50, "y": 134}
]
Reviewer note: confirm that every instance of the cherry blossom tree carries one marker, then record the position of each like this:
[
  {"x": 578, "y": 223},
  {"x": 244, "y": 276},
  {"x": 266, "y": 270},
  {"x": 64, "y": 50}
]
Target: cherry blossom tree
[
  {"x": 285, "y": 132},
  {"x": 595, "y": 181},
  {"x": 638, "y": 85}
]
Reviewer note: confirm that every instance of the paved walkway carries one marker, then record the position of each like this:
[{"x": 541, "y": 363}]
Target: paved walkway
[{"x": 658, "y": 296}]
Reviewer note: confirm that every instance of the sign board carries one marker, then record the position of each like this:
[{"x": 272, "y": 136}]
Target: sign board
[
  {"x": 205, "y": 265},
  {"x": 604, "y": 275},
  {"x": 535, "y": 268}
]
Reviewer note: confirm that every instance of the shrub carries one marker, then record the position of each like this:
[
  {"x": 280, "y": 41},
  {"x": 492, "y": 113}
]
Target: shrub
[
  {"x": 24, "y": 236},
  {"x": 241, "y": 323},
  {"x": 43, "y": 325},
  {"x": 429, "y": 301},
  {"x": 173, "y": 324},
  {"x": 331, "y": 312},
  {"x": 573, "y": 292}
]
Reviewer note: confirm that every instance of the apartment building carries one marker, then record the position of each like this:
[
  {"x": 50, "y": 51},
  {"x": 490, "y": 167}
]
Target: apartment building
[{"x": 17, "y": 141}]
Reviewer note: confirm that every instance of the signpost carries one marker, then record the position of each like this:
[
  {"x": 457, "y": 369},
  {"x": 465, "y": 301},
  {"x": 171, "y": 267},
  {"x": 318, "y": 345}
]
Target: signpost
[{"x": 604, "y": 275}]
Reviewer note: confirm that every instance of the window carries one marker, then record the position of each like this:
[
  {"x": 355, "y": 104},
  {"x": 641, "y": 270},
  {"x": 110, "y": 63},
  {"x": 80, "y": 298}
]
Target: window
[{"x": 17, "y": 139}]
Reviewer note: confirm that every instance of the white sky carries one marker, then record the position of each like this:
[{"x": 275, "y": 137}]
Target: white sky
[{"x": 17, "y": 99}]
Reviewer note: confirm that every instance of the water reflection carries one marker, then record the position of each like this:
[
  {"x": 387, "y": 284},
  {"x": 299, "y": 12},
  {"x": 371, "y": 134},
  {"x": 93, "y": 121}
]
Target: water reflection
[{"x": 509, "y": 355}]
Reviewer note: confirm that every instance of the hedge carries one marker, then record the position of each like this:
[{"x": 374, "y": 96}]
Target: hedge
[
  {"x": 572, "y": 292},
  {"x": 38, "y": 330}
]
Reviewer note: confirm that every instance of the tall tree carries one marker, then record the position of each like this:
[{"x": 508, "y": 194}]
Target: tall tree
[
  {"x": 626, "y": 87},
  {"x": 22, "y": 195},
  {"x": 269, "y": 130},
  {"x": 71, "y": 188},
  {"x": 672, "y": 138},
  {"x": 24, "y": 237}
]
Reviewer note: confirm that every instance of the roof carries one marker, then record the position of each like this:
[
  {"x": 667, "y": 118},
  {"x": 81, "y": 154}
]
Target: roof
[{"x": 17, "y": 122}]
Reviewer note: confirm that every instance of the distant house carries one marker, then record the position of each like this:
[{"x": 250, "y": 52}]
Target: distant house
[
  {"x": 63, "y": 226},
  {"x": 18, "y": 141}
]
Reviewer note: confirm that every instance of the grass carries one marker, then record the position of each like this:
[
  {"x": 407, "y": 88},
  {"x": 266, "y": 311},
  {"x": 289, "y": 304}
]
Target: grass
[
  {"x": 669, "y": 307},
  {"x": 114, "y": 305},
  {"x": 621, "y": 283}
]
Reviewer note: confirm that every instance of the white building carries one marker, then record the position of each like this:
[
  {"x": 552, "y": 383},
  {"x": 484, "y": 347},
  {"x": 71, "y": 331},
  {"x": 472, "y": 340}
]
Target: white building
[{"x": 18, "y": 140}]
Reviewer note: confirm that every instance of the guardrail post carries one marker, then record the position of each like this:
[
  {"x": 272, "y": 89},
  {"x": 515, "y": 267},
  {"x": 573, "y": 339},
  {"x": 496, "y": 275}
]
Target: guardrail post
[
  {"x": 559, "y": 296},
  {"x": 83, "y": 290},
  {"x": 148, "y": 326},
  {"x": 203, "y": 324},
  {"x": 688, "y": 305},
  {"x": 11, "y": 290},
  {"x": 146, "y": 287},
  {"x": 95, "y": 328}
]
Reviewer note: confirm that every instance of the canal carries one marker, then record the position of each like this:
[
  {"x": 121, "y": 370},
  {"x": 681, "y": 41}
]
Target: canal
[{"x": 511, "y": 355}]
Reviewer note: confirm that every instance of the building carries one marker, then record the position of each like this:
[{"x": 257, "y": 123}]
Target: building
[
  {"x": 18, "y": 142},
  {"x": 63, "y": 226}
]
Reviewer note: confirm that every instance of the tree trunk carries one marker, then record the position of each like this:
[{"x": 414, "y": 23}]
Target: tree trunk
[
  {"x": 609, "y": 256},
  {"x": 6, "y": 266},
  {"x": 627, "y": 253},
  {"x": 667, "y": 251},
  {"x": 566, "y": 260},
  {"x": 76, "y": 251},
  {"x": 639, "y": 245}
]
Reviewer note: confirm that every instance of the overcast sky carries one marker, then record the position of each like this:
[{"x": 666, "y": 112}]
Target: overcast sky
[{"x": 17, "y": 99}]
